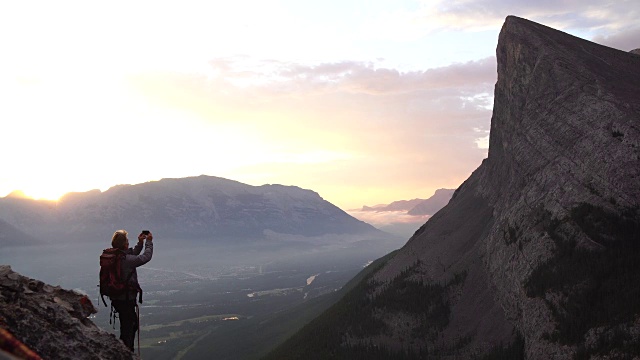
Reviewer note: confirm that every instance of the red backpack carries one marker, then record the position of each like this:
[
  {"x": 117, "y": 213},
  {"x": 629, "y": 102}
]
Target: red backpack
[{"x": 111, "y": 281}]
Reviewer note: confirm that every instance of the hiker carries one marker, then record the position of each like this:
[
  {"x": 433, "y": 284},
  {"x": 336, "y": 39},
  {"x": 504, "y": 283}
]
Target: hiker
[{"x": 125, "y": 304}]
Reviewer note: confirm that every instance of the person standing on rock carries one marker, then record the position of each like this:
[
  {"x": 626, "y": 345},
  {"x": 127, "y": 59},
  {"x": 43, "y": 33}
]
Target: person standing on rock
[{"x": 125, "y": 304}]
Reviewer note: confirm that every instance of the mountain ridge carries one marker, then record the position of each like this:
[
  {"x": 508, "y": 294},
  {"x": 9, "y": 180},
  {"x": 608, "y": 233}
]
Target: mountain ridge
[
  {"x": 433, "y": 204},
  {"x": 195, "y": 207},
  {"x": 417, "y": 206},
  {"x": 532, "y": 256}
]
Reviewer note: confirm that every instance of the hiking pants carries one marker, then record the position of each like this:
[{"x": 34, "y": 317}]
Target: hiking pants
[{"x": 126, "y": 310}]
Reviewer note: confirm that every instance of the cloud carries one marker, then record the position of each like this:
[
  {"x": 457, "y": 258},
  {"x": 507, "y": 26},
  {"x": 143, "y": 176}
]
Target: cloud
[
  {"x": 380, "y": 218},
  {"x": 381, "y": 104},
  {"x": 364, "y": 126},
  {"x": 625, "y": 40},
  {"x": 279, "y": 78},
  {"x": 386, "y": 124},
  {"x": 394, "y": 222},
  {"x": 591, "y": 16}
]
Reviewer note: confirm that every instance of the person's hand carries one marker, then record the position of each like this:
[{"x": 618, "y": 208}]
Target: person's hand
[
  {"x": 150, "y": 237},
  {"x": 141, "y": 238}
]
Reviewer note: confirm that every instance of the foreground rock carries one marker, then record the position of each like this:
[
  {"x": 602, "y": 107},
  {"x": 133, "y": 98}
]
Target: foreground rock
[{"x": 52, "y": 321}]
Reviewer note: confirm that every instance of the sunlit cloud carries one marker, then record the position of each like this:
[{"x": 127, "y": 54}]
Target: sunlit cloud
[
  {"x": 484, "y": 14},
  {"x": 483, "y": 141},
  {"x": 344, "y": 129},
  {"x": 626, "y": 40},
  {"x": 338, "y": 127},
  {"x": 591, "y": 18},
  {"x": 368, "y": 104},
  {"x": 388, "y": 217}
]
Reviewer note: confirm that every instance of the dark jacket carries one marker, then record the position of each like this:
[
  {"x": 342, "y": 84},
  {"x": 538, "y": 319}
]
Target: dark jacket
[{"x": 132, "y": 260}]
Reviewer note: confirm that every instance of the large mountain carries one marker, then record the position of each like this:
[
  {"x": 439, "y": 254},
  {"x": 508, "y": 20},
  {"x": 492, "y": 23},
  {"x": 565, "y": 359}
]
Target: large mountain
[
  {"x": 537, "y": 253},
  {"x": 201, "y": 207}
]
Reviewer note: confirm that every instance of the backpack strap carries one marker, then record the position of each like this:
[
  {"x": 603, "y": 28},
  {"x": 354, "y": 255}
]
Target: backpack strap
[
  {"x": 126, "y": 284},
  {"x": 137, "y": 288}
]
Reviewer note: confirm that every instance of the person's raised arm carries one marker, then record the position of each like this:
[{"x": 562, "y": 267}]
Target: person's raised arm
[
  {"x": 145, "y": 257},
  {"x": 138, "y": 248}
]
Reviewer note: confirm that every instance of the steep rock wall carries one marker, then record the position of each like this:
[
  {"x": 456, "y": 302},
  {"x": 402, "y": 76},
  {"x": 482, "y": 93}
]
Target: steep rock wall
[{"x": 564, "y": 147}]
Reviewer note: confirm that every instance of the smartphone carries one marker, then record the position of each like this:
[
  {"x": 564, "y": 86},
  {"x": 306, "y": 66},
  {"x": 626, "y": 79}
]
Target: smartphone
[{"x": 145, "y": 232}]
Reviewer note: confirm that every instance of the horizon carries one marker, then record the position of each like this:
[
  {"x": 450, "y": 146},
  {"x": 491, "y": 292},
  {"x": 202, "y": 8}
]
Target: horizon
[
  {"x": 363, "y": 105},
  {"x": 22, "y": 195}
]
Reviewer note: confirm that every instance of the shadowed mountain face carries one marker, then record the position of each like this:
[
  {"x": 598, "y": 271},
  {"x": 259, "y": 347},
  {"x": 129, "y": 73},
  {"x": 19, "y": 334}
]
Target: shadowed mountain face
[
  {"x": 198, "y": 208},
  {"x": 11, "y": 236},
  {"x": 538, "y": 249}
]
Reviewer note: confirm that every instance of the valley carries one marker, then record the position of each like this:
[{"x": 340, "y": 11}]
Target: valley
[{"x": 202, "y": 301}]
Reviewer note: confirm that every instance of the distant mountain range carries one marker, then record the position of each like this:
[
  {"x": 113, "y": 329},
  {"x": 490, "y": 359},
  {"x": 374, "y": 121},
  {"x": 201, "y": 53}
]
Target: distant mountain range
[
  {"x": 403, "y": 217},
  {"x": 416, "y": 207},
  {"x": 203, "y": 207}
]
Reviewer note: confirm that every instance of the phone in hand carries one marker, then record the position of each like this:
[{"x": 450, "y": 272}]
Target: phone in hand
[{"x": 146, "y": 232}]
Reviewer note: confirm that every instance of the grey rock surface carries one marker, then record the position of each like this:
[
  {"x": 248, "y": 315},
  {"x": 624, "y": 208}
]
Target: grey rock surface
[
  {"x": 565, "y": 131},
  {"x": 53, "y": 321}
]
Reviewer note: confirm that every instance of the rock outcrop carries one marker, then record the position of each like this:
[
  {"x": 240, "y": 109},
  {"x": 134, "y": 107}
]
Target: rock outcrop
[
  {"x": 536, "y": 253},
  {"x": 53, "y": 322}
]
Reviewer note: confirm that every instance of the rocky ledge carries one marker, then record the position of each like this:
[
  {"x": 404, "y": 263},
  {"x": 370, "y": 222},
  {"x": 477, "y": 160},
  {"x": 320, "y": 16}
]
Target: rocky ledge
[{"x": 53, "y": 322}]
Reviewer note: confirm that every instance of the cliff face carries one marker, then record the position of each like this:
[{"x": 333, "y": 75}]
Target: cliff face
[
  {"x": 563, "y": 177},
  {"x": 539, "y": 247},
  {"x": 52, "y": 321},
  {"x": 561, "y": 184}
]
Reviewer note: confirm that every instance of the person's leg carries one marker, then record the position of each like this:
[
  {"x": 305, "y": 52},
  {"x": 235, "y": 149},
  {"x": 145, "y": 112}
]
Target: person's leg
[{"x": 128, "y": 321}]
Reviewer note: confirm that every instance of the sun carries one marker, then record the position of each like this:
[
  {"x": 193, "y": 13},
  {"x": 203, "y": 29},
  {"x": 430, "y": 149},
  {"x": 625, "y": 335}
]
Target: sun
[{"x": 43, "y": 193}]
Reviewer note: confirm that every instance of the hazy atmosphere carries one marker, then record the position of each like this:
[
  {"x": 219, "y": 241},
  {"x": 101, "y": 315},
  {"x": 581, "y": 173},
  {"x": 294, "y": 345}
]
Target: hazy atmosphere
[
  {"x": 363, "y": 102},
  {"x": 313, "y": 180}
]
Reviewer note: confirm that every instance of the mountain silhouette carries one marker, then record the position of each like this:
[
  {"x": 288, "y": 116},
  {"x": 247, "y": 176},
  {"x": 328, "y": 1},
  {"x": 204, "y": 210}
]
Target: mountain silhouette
[{"x": 202, "y": 207}]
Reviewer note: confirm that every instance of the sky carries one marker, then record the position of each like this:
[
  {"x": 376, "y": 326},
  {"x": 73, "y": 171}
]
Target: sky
[{"x": 364, "y": 102}]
